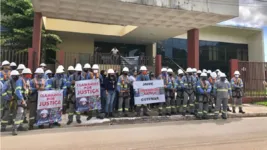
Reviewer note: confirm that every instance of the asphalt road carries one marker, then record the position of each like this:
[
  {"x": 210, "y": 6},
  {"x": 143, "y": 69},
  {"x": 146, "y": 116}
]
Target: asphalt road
[{"x": 235, "y": 134}]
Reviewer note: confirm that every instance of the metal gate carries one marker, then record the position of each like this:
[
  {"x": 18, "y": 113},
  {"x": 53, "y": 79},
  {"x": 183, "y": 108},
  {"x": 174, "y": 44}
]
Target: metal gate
[
  {"x": 253, "y": 75},
  {"x": 14, "y": 56}
]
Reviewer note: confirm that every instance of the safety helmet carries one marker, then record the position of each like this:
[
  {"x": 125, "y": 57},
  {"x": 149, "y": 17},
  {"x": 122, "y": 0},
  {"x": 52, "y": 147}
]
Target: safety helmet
[
  {"x": 71, "y": 68},
  {"x": 213, "y": 75},
  {"x": 237, "y": 72},
  {"x": 194, "y": 70},
  {"x": 42, "y": 65},
  {"x": 222, "y": 75},
  {"x": 110, "y": 71},
  {"x": 189, "y": 70},
  {"x": 217, "y": 70},
  {"x": 180, "y": 71},
  {"x": 14, "y": 73},
  {"x": 59, "y": 70},
  {"x": 61, "y": 67},
  {"x": 203, "y": 74},
  {"x": 13, "y": 64},
  {"x": 21, "y": 67},
  {"x": 204, "y": 70},
  {"x": 39, "y": 70},
  {"x": 125, "y": 69},
  {"x": 199, "y": 71},
  {"x": 5, "y": 63},
  {"x": 164, "y": 70},
  {"x": 143, "y": 68},
  {"x": 48, "y": 71},
  {"x": 78, "y": 67},
  {"x": 87, "y": 66},
  {"x": 95, "y": 67},
  {"x": 26, "y": 71},
  {"x": 170, "y": 70}
]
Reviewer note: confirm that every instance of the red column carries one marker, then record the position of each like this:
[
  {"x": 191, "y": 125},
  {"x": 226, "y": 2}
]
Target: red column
[
  {"x": 36, "y": 37},
  {"x": 193, "y": 48},
  {"x": 158, "y": 64},
  {"x": 233, "y": 66},
  {"x": 61, "y": 57},
  {"x": 30, "y": 58}
]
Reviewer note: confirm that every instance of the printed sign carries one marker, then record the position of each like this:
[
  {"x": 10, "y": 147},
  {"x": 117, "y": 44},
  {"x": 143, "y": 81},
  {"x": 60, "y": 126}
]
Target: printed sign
[
  {"x": 49, "y": 106},
  {"x": 148, "y": 92},
  {"x": 87, "y": 94}
]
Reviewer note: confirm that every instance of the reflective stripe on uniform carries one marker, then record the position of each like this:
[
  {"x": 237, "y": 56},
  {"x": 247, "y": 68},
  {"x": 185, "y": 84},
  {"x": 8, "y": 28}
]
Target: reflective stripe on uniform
[
  {"x": 173, "y": 107},
  {"x": 169, "y": 107},
  {"x": 78, "y": 113},
  {"x": 160, "y": 108},
  {"x": 2, "y": 121},
  {"x": 18, "y": 122},
  {"x": 126, "y": 109},
  {"x": 70, "y": 113},
  {"x": 4, "y": 94},
  {"x": 222, "y": 90},
  {"x": 191, "y": 104},
  {"x": 32, "y": 118},
  {"x": 200, "y": 112},
  {"x": 120, "y": 109},
  {"x": 49, "y": 85},
  {"x": 18, "y": 88},
  {"x": 184, "y": 106},
  {"x": 205, "y": 112},
  {"x": 9, "y": 92}
]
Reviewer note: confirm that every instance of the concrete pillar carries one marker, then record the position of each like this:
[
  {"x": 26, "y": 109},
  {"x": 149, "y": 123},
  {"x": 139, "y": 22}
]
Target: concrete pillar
[
  {"x": 233, "y": 67},
  {"x": 193, "y": 48},
  {"x": 30, "y": 59},
  {"x": 36, "y": 38},
  {"x": 158, "y": 64},
  {"x": 61, "y": 57}
]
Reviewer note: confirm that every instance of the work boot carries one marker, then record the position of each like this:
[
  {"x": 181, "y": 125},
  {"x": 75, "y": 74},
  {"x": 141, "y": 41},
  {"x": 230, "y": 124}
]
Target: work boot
[
  {"x": 3, "y": 128},
  {"x": 168, "y": 114},
  {"x": 21, "y": 128},
  {"x": 14, "y": 132},
  {"x": 160, "y": 114},
  {"x": 111, "y": 115},
  {"x": 126, "y": 115},
  {"x": 41, "y": 126},
  {"x": 30, "y": 127},
  {"x": 106, "y": 115},
  {"x": 233, "y": 110},
  {"x": 25, "y": 120},
  {"x": 215, "y": 117},
  {"x": 183, "y": 113},
  {"x": 145, "y": 114},
  {"x": 173, "y": 113},
  {"x": 241, "y": 111},
  {"x": 69, "y": 122},
  {"x": 224, "y": 117},
  {"x": 79, "y": 121},
  {"x": 228, "y": 109},
  {"x": 56, "y": 124}
]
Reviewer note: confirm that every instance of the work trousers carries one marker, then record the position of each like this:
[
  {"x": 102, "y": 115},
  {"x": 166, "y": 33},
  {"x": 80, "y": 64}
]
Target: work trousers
[
  {"x": 219, "y": 102},
  {"x": 126, "y": 101},
  {"x": 138, "y": 109},
  {"x": 189, "y": 98},
  {"x": 179, "y": 101},
  {"x": 237, "y": 102},
  {"x": 72, "y": 109},
  {"x": 33, "y": 109},
  {"x": 203, "y": 106}
]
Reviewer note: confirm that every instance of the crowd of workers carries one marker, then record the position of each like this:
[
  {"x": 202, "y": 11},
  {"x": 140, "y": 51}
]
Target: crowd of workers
[{"x": 187, "y": 92}]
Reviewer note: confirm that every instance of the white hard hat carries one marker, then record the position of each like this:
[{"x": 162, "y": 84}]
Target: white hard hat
[
  {"x": 222, "y": 75},
  {"x": 78, "y": 67},
  {"x": 95, "y": 67},
  {"x": 203, "y": 74},
  {"x": 44, "y": 111},
  {"x": 87, "y": 66},
  {"x": 213, "y": 75},
  {"x": 209, "y": 71},
  {"x": 39, "y": 70},
  {"x": 71, "y": 68},
  {"x": 164, "y": 70},
  {"x": 61, "y": 67},
  {"x": 180, "y": 71},
  {"x": 194, "y": 70},
  {"x": 110, "y": 71},
  {"x": 143, "y": 68},
  {"x": 204, "y": 70},
  {"x": 26, "y": 71},
  {"x": 125, "y": 69},
  {"x": 5, "y": 63},
  {"x": 14, "y": 73},
  {"x": 42, "y": 65},
  {"x": 21, "y": 66},
  {"x": 189, "y": 70},
  {"x": 199, "y": 71},
  {"x": 217, "y": 70},
  {"x": 59, "y": 70},
  {"x": 237, "y": 72},
  {"x": 170, "y": 70},
  {"x": 48, "y": 71},
  {"x": 13, "y": 64}
]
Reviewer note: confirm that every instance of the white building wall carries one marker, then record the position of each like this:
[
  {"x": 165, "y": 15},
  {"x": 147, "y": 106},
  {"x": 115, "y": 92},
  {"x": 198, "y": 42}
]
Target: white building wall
[{"x": 255, "y": 46}]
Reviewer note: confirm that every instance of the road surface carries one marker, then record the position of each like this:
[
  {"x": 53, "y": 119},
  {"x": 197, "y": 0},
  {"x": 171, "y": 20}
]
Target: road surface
[{"x": 236, "y": 134}]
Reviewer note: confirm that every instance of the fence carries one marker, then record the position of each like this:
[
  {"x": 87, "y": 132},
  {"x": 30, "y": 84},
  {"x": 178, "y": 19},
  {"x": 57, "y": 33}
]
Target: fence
[
  {"x": 253, "y": 75},
  {"x": 14, "y": 56}
]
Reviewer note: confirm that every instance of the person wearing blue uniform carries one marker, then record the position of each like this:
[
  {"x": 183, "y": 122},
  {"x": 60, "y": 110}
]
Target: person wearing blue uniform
[
  {"x": 142, "y": 77},
  {"x": 123, "y": 87},
  {"x": 163, "y": 76},
  {"x": 26, "y": 78},
  {"x": 5, "y": 73},
  {"x": 203, "y": 90},
  {"x": 180, "y": 91},
  {"x": 48, "y": 79},
  {"x": 12, "y": 92},
  {"x": 171, "y": 90},
  {"x": 36, "y": 84},
  {"x": 237, "y": 85}
]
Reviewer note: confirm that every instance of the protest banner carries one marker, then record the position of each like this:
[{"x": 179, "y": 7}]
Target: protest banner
[
  {"x": 148, "y": 92},
  {"x": 87, "y": 94},
  {"x": 49, "y": 106}
]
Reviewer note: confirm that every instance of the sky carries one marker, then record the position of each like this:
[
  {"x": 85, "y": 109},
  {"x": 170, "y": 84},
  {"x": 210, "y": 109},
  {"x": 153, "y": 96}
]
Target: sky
[{"x": 252, "y": 13}]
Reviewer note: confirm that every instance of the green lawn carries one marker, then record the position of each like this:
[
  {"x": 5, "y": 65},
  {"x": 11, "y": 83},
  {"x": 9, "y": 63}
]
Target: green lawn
[{"x": 262, "y": 103}]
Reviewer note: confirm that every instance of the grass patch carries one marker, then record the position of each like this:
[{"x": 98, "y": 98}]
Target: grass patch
[{"x": 264, "y": 103}]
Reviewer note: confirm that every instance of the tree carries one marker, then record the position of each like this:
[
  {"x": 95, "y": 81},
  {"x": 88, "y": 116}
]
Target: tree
[{"x": 17, "y": 19}]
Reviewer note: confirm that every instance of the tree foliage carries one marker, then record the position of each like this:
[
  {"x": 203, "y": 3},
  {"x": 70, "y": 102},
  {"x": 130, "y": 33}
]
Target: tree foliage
[{"x": 17, "y": 20}]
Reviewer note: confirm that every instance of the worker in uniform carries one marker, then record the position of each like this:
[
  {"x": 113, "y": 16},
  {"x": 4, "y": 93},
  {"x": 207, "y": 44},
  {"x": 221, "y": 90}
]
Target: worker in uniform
[
  {"x": 48, "y": 79},
  {"x": 203, "y": 89},
  {"x": 5, "y": 73},
  {"x": 36, "y": 84},
  {"x": 26, "y": 78},
  {"x": 132, "y": 78},
  {"x": 20, "y": 68},
  {"x": 13, "y": 66},
  {"x": 198, "y": 74},
  {"x": 77, "y": 76},
  {"x": 110, "y": 91},
  {"x": 43, "y": 66},
  {"x": 163, "y": 76},
  {"x": 86, "y": 71},
  {"x": 123, "y": 87},
  {"x": 237, "y": 85},
  {"x": 209, "y": 73},
  {"x": 189, "y": 96},
  {"x": 15, "y": 102},
  {"x": 194, "y": 70},
  {"x": 180, "y": 90},
  {"x": 142, "y": 77},
  {"x": 222, "y": 91},
  {"x": 212, "y": 100},
  {"x": 171, "y": 89},
  {"x": 71, "y": 70}
]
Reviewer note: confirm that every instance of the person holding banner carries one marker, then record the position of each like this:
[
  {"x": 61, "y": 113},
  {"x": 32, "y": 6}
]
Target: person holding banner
[
  {"x": 12, "y": 92},
  {"x": 142, "y": 77},
  {"x": 180, "y": 91},
  {"x": 171, "y": 89},
  {"x": 86, "y": 72},
  {"x": 163, "y": 76},
  {"x": 123, "y": 87},
  {"x": 48, "y": 79},
  {"x": 110, "y": 90},
  {"x": 36, "y": 84}
]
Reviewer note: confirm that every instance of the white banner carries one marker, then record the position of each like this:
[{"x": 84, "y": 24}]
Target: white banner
[{"x": 148, "y": 92}]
